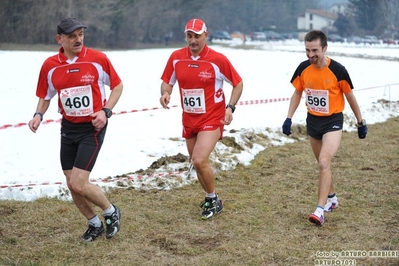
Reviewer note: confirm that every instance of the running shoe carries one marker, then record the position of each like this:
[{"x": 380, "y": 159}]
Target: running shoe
[
  {"x": 211, "y": 207},
  {"x": 316, "y": 219},
  {"x": 113, "y": 223},
  {"x": 331, "y": 205},
  {"x": 93, "y": 232}
]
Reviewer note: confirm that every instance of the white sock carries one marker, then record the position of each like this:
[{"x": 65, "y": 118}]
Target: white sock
[
  {"x": 95, "y": 221},
  {"x": 211, "y": 195},
  {"x": 109, "y": 211},
  {"x": 334, "y": 199}
]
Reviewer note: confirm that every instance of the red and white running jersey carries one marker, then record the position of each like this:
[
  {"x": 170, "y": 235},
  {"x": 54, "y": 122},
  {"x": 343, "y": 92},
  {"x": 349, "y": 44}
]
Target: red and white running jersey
[
  {"x": 200, "y": 82},
  {"x": 80, "y": 83}
]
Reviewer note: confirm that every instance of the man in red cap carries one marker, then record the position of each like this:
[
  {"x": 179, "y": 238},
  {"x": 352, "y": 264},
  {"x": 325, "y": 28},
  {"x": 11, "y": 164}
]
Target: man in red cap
[
  {"x": 79, "y": 77},
  {"x": 200, "y": 72}
]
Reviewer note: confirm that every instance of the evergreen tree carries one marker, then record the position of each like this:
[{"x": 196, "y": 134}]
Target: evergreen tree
[
  {"x": 366, "y": 13},
  {"x": 345, "y": 25}
]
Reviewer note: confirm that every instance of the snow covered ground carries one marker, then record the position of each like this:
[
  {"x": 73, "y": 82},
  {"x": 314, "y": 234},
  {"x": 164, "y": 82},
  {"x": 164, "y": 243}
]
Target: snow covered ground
[{"x": 141, "y": 131}]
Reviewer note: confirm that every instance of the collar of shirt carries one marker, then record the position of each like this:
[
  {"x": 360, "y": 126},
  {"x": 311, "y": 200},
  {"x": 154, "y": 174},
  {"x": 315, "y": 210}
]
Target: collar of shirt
[{"x": 63, "y": 58}]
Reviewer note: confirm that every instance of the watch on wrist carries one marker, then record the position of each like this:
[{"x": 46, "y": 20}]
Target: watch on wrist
[
  {"x": 38, "y": 113},
  {"x": 108, "y": 112},
  {"x": 232, "y": 107},
  {"x": 361, "y": 123}
]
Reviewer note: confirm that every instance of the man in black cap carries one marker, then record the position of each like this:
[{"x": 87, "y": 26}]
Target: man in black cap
[
  {"x": 78, "y": 76},
  {"x": 69, "y": 25}
]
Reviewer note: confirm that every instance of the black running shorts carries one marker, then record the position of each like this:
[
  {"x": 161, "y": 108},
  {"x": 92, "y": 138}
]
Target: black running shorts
[
  {"x": 80, "y": 145},
  {"x": 317, "y": 126}
]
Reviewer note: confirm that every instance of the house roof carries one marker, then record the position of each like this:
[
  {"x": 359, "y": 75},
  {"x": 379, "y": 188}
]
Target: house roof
[{"x": 322, "y": 13}]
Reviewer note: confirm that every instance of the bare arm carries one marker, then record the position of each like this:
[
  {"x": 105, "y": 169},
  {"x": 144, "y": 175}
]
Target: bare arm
[
  {"x": 41, "y": 108},
  {"x": 99, "y": 118},
  {"x": 236, "y": 93},
  {"x": 350, "y": 97},
  {"x": 294, "y": 102},
  {"x": 166, "y": 91},
  {"x": 114, "y": 96},
  {"x": 235, "y": 96}
]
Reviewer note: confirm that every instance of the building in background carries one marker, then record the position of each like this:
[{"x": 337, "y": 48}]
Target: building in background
[{"x": 317, "y": 20}]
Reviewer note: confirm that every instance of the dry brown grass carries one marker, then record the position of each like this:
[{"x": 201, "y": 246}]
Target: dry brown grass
[{"x": 264, "y": 221}]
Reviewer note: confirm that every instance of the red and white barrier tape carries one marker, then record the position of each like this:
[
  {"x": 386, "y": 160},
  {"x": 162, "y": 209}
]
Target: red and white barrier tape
[
  {"x": 29, "y": 184},
  {"x": 48, "y": 121}
]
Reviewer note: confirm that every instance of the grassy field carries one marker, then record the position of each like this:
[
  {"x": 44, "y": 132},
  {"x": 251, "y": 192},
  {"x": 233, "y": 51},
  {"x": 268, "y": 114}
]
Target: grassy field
[{"x": 264, "y": 222}]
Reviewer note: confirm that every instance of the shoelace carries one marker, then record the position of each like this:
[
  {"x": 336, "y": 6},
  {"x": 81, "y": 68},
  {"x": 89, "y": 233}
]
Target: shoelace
[{"x": 92, "y": 229}]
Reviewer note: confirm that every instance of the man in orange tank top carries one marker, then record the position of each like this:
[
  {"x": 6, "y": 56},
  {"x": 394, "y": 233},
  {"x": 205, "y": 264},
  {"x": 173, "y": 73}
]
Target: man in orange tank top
[{"x": 324, "y": 83}]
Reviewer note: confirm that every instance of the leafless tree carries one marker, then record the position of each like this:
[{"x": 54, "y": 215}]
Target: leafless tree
[
  {"x": 124, "y": 23},
  {"x": 389, "y": 11}
]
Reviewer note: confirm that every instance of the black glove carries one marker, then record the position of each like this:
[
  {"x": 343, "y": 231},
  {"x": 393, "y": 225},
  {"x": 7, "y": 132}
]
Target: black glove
[
  {"x": 362, "y": 131},
  {"x": 287, "y": 126}
]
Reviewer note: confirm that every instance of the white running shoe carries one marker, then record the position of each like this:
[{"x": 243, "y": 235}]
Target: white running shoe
[
  {"x": 316, "y": 219},
  {"x": 331, "y": 204}
]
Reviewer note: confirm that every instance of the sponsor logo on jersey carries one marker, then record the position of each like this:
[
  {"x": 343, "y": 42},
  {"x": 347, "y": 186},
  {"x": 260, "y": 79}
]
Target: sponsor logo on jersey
[
  {"x": 73, "y": 70},
  {"x": 87, "y": 78},
  {"x": 204, "y": 75},
  {"x": 64, "y": 93},
  {"x": 219, "y": 93}
]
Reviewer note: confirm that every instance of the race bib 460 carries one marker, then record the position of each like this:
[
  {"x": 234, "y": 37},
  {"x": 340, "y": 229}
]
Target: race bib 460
[{"x": 77, "y": 101}]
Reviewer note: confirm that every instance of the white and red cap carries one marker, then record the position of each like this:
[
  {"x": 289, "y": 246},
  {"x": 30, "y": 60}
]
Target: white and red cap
[{"x": 195, "y": 25}]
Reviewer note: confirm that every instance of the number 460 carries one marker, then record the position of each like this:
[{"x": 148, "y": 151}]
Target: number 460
[{"x": 78, "y": 102}]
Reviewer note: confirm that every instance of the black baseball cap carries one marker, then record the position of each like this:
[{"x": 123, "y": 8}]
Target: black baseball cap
[{"x": 69, "y": 25}]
